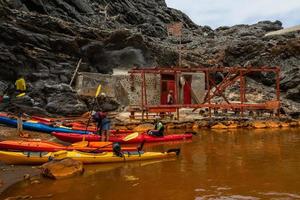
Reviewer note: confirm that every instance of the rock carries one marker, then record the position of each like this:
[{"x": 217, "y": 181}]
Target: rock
[
  {"x": 35, "y": 182},
  {"x": 1, "y": 183},
  {"x": 233, "y": 125},
  {"x": 65, "y": 104},
  {"x": 43, "y": 41},
  {"x": 294, "y": 94},
  {"x": 62, "y": 169},
  {"x": 272, "y": 124},
  {"x": 189, "y": 125},
  {"x": 176, "y": 126},
  {"x": 284, "y": 125},
  {"x": 219, "y": 126},
  {"x": 26, "y": 176},
  {"x": 195, "y": 126},
  {"x": 144, "y": 127},
  {"x": 258, "y": 124},
  {"x": 171, "y": 126},
  {"x": 203, "y": 124},
  {"x": 293, "y": 124}
]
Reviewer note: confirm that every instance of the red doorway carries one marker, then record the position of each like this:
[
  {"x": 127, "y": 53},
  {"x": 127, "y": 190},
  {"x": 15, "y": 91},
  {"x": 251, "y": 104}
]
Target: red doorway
[
  {"x": 187, "y": 90},
  {"x": 167, "y": 84}
]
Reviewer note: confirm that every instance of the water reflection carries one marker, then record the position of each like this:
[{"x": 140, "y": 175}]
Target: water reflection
[{"x": 231, "y": 164}]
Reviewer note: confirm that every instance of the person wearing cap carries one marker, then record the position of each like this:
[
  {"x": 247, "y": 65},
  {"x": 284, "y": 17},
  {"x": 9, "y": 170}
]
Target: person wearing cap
[
  {"x": 98, "y": 117},
  {"x": 105, "y": 127},
  {"x": 170, "y": 98},
  {"x": 159, "y": 128}
]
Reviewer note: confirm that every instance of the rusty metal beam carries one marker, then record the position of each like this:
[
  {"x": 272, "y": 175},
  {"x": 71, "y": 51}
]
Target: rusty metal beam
[
  {"x": 233, "y": 75},
  {"x": 159, "y": 70},
  {"x": 221, "y": 106}
]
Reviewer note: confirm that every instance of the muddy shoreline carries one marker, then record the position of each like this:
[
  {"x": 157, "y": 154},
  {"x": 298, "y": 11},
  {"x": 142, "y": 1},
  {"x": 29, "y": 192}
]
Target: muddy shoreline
[{"x": 10, "y": 174}]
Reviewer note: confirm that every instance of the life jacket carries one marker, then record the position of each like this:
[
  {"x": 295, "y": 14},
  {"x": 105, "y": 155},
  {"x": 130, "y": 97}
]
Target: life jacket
[
  {"x": 159, "y": 126},
  {"x": 21, "y": 84}
]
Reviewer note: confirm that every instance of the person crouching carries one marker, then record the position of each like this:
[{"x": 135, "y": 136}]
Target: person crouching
[{"x": 159, "y": 128}]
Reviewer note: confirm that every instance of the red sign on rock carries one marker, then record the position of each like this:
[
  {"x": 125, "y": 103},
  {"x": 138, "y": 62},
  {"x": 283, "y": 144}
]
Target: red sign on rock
[{"x": 175, "y": 29}]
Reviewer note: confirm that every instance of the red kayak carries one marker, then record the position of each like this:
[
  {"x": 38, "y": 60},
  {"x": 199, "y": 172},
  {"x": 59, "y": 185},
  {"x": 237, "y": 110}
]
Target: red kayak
[
  {"x": 37, "y": 146},
  {"x": 73, "y": 137}
]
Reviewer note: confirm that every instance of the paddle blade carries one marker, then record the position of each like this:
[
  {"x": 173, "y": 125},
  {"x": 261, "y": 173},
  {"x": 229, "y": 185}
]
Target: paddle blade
[
  {"x": 99, "y": 144},
  {"x": 21, "y": 95},
  {"x": 59, "y": 155},
  {"x": 80, "y": 144},
  {"x": 131, "y": 136},
  {"x": 98, "y": 91}
]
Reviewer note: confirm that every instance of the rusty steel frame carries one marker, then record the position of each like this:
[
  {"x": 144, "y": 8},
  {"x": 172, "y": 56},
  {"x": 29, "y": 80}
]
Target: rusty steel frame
[{"x": 237, "y": 73}]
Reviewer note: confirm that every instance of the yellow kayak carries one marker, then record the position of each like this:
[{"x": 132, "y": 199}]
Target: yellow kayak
[{"x": 34, "y": 158}]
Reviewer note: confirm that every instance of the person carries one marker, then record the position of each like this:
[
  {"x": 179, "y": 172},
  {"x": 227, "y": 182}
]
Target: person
[
  {"x": 20, "y": 85},
  {"x": 97, "y": 117},
  {"x": 159, "y": 128},
  {"x": 170, "y": 98},
  {"x": 19, "y": 123},
  {"x": 20, "y": 126},
  {"x": 103, "y": 125},
  {"x": 105, "y": 128}
]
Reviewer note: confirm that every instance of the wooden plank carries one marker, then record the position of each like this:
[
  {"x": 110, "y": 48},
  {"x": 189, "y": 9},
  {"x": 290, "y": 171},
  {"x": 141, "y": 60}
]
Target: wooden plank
[{"x": 75, "y": 72}]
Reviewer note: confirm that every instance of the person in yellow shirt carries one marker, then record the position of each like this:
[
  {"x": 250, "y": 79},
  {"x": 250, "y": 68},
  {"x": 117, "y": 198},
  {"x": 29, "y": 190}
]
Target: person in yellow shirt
[{"x": 20, "y": 85}]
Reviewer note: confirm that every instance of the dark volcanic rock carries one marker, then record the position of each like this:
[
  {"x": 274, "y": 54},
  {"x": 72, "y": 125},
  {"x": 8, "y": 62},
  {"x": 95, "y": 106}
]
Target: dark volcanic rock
[{"x": 44, "y": 40}]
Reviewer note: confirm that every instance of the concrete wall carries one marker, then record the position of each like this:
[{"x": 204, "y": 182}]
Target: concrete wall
[
  {"x": 133, "y": 84},
  {"x": 87, "y": 83},
  {"x": 198, "y": 86},
  {"x": 126, "y": 89}
]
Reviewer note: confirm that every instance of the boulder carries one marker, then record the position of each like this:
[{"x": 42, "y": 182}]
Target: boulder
[
  {"x": 62, "y": 168},
  {"x": 143, "y": 127},
  {"x": 293, "y": 124},
  {"x": 203, "y": 124},
  {"x": 171, "y": 126},
  {"x": 258, "y": 124},
  {"x": 65, "y": 104},
  {"x": 195, "y": 126},
  {"x": 219, "y": 126},
  {"x": 233, "y": 126},
  {"x": 284, "y": 125},
  {"x": 272, "y": 124}
]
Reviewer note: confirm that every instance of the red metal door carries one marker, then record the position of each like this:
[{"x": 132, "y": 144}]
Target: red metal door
[
  {"x": 187, "y": 97},
  {"x": 166, "y": 86}
]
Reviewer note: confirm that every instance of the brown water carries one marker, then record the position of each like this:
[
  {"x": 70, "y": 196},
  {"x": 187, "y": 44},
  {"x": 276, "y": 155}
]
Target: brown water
[{"x": 238, "y": 164}]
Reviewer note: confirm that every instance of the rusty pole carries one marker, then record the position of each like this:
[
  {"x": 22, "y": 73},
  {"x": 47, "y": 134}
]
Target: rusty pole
[
  {"x": 176, "y": 94},
  {"x": 278, "y": 89},
  {"x": 208, "y": 91},
  {"x": 145, "y": 93},
  {"x": 142, "y": 87},
  {"x": 242, "y": 92}
]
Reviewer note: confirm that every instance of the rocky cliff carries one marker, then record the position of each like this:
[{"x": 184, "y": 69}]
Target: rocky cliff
[{"x": 43, "y": 41}]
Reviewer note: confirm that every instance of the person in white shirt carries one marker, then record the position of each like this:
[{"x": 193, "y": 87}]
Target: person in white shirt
[{"x": 170, "y": 98}]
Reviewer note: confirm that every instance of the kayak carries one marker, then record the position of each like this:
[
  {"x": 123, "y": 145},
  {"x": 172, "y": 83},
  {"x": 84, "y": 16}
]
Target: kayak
[
  {"x": 73, "y": 137},
  {"x": 33, "y": 126},
  {"x": 31, "y": 158},
  {"x": 34, "y": 145}
]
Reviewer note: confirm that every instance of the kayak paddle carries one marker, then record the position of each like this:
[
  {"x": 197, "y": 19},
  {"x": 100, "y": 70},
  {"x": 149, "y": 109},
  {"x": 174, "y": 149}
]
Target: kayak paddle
[{"x": 131, "y": 136}]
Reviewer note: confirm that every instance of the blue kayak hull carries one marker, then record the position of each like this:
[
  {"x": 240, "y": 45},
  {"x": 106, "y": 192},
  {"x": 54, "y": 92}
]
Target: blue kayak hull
[{"x": 38, "y": 126}]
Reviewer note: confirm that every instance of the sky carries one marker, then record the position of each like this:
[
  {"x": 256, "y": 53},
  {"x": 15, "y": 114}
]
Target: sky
[{"x": 215, "y": 13}]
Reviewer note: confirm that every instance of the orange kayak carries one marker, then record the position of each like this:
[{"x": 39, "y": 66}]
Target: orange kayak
[{"x": 36, "y": 145}]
